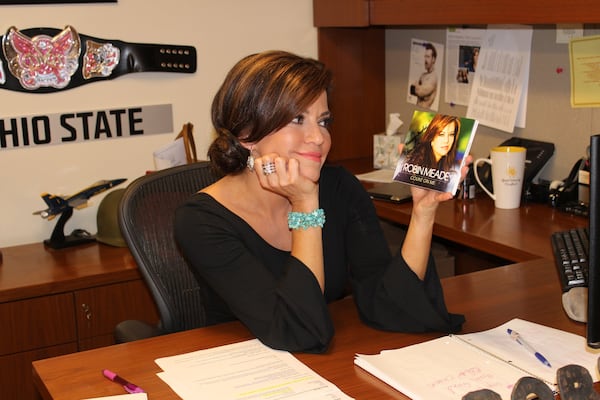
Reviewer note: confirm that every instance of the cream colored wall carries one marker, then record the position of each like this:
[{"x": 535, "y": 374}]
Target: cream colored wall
[{"x": 222, "y": 31}]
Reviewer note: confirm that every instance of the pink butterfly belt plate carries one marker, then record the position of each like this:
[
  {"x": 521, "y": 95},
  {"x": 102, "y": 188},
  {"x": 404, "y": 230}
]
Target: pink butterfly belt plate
[{"x": 44, "y": 60}]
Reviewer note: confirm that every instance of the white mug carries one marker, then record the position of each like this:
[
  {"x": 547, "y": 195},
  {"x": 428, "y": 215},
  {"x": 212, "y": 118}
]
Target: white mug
[{"x": 508, "y": 165}]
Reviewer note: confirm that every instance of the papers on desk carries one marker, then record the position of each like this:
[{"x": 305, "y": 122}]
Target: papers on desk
[
  {"x": 452, "y": 366},
  {"x": 128, "y": 396},
  {"x": 245, "y": 370},
  {"x": 379, "y": 175}
]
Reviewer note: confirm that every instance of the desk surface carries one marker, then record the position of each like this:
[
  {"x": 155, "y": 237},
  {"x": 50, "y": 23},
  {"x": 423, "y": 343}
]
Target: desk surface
[
  {"x": 518, "y": 235},
  {"x": 487, "y": 298},
  {"x": 33, "y": 270}
]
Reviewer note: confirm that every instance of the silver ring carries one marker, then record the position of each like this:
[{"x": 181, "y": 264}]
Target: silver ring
[{"x": 268, "y": 168}]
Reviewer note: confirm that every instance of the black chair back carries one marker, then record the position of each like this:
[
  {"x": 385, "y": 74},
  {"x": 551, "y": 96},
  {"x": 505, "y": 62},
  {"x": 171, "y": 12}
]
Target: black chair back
[{"x": 146, "y": 216}]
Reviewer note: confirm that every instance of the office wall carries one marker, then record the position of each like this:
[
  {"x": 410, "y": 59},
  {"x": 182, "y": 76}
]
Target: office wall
[
  {"x": 222, "y": 31},
  {"x": 550, "y": 117}
]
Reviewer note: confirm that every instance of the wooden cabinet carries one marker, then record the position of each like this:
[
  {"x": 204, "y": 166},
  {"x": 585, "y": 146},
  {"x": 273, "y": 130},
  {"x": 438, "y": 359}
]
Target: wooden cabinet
[
  {"x": 351, "y": 41},
  {"x": 364, "y": 13},
  {"x": 341, "y": 13},
  {"x": 16, "y": 381},
  {"x": 32, "y": 329},
  {"x": 55, "y": 302},
  {"x": 101, "y": 308},
  {"x": 444, "y": 12},
  {"x": 36, "y": 323},
  {"x": 356, "y": 56}
]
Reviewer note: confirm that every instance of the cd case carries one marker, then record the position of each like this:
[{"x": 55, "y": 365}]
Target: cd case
[{"x": 434, "y": 151}]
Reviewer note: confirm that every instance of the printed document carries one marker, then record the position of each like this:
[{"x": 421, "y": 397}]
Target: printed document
[
  {"x": 499, "y": 93},
  {"x": 462, "y": 55},
  {"x": 584, "y": 54},
  {"x": 245, "y": 370}
]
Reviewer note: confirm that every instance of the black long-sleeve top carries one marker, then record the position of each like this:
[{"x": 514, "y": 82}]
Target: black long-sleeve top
[{"x": 278, "y": 298}]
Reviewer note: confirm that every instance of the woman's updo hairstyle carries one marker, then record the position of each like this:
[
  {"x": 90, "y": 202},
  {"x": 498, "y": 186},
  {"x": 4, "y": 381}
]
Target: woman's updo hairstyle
[{"x": 261, "y": 94}]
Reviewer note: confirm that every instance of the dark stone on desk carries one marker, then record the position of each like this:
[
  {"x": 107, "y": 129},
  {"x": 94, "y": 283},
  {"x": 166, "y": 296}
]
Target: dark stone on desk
[
  {"x": 575, "y": 383},
  {"x": 483, "y": 394},
  {"x": 531, "y": 388}
]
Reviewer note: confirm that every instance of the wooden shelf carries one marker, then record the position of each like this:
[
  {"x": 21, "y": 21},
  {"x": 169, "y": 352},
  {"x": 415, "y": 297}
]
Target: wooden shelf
[
  {"x": 341, "y": 12},
  {"x": 443, "y": 12},
  {"x": 365, "y": 13}
]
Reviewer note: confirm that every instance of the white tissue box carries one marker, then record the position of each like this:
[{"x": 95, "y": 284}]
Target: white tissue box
[{"x": 385, "y": 150}]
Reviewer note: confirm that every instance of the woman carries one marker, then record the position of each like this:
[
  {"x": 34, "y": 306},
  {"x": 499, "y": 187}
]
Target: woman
[
  {"x": 437, "y": 145},
  {"x": 282, "y": 234}
]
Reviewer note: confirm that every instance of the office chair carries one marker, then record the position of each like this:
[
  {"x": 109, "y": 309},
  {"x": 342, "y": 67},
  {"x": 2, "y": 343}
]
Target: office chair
[{"x": 145, "y": 217}]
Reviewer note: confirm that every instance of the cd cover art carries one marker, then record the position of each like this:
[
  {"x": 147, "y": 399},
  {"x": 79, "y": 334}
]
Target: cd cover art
[{"x": 434, "y": 151}]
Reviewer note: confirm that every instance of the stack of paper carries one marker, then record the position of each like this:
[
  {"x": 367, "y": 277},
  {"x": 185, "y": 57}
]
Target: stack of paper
[
  {"x": 245, "y": 370},
  {"x": 132, "y": 396}
]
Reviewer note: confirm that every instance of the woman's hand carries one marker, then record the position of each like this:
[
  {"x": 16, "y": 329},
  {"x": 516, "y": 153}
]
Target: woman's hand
[
  {"x": 416, "y": 246},
  {"x": 303, "y": 196},
  {"x": 426, "y": 199},
  {"x": 287, "y": 181}
]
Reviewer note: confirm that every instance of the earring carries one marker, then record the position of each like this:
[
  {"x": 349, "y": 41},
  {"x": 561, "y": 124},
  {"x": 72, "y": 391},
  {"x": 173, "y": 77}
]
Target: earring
[{"x": 250, "y": 162}]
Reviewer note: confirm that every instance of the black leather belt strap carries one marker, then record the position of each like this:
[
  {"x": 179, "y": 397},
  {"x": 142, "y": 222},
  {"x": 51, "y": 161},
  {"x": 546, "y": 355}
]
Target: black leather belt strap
[{"x": 45, "y": 60}]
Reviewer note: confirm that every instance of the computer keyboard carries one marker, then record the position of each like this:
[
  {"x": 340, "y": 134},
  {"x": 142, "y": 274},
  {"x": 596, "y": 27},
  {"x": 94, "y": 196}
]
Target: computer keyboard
[{"x": 571, "y": 249}]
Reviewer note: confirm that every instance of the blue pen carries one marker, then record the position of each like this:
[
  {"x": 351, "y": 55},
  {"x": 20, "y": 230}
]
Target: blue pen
[{"x": 519, "y": 339}]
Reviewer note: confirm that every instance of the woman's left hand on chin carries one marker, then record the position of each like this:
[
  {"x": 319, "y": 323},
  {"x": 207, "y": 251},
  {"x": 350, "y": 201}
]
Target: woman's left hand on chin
[{"x": 286, "y": 180}]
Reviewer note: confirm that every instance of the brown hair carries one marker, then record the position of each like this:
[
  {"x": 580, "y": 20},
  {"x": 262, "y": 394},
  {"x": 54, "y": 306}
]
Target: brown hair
[
  {"x": 261, "y": 94},
  {"x": 423, "y": 154}
]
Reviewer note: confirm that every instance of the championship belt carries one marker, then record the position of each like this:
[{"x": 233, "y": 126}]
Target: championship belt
[{"x": 45, "y": 60}]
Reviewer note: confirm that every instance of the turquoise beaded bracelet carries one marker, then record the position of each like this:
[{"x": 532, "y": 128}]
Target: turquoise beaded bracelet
[{"x": 297, "y": 220}]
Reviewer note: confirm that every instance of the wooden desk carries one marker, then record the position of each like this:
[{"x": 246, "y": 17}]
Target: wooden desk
[
  {"x": 516, "y": 235},
  {"x": 56, "y": 302},
  {"x": 487, "y": 298}
]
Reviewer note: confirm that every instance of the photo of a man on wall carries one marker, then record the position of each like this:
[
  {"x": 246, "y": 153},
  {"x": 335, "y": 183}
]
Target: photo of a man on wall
[{"x": 425, "y": 73}]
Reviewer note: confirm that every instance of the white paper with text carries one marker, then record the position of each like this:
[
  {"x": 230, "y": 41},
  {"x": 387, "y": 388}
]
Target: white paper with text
[
  {"x": 245, "y": 370},
  {"x": 499, "y": 92}
]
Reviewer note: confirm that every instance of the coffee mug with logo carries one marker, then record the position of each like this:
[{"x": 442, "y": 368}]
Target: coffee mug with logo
[{"x": 508, "y": 166}]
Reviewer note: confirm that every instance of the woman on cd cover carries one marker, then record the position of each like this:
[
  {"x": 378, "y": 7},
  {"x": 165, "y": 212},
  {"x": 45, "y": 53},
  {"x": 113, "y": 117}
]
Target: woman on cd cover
[{"x": 432, "y": 162}]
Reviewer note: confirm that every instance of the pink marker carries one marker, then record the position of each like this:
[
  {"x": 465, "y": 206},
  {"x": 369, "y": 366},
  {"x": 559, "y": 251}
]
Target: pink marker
[{"x": 128, "y": 386}]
